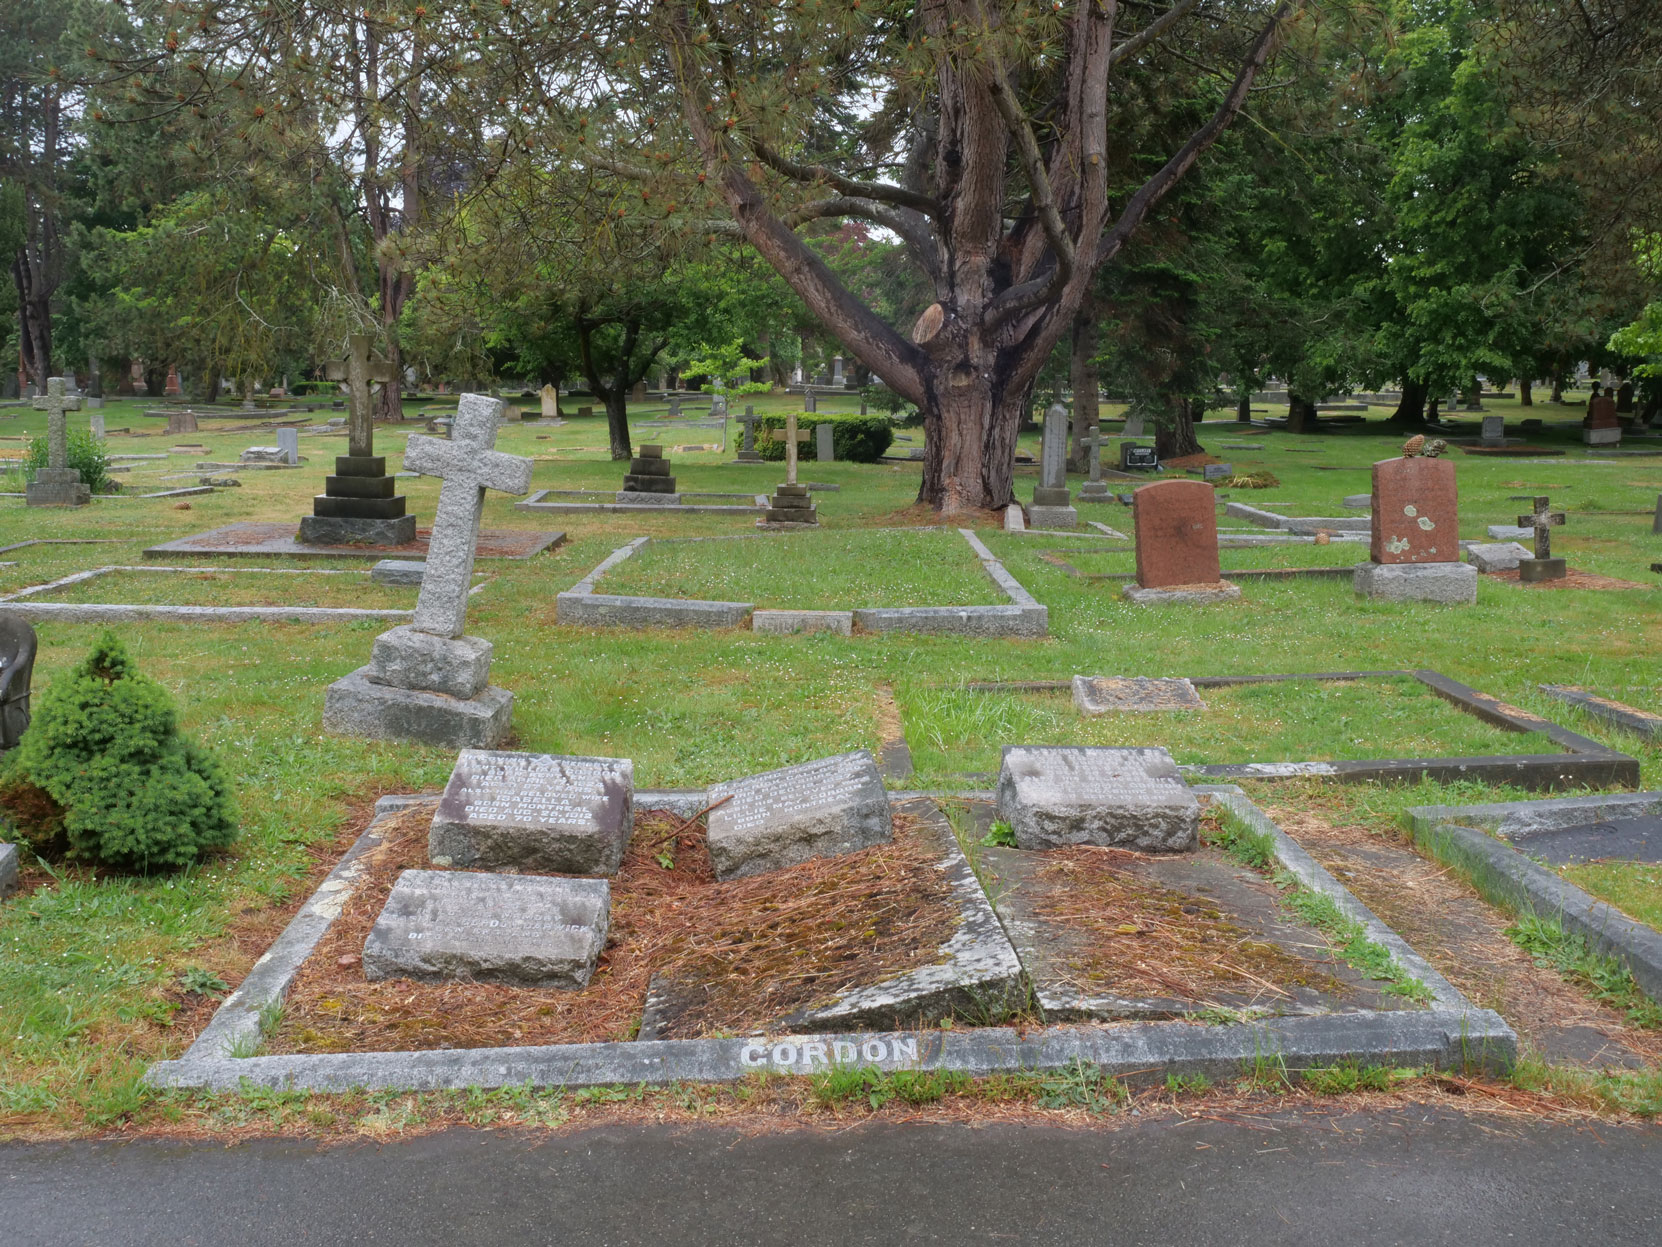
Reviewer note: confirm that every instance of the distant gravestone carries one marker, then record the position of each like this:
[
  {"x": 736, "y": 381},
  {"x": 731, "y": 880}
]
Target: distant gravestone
[
  {"x": 182, "y": 421},
  {"x": 747, "y": 447},
  {"x": 1094, "y": 488},
  {"x": 1095, "y": 695},
  {"x": 57, "y": 484},
  {"x": 95, "y": 425},
  {"x": 1602, "y": 427},
  {"x": 586, "y": 411},
  {"x": 780, "y": 818},
  {"x": 1542, "y": 520},
  {"x": 1656, "y": 524},
  {"x": 1494, "y": 430},
  {"x": 288, "y": 445},
  {"x": 1496, "y": 556},
  {"x": 534, "y": 811},
  {"x": 638, "y": 393},
  {"x": 837, "y": 371},
  {"x": 809, "y": 403},
  {"x": 649, "y": 472},
  {"x": 1134, "y": 424},
  {"x": 1216, "y": 471},
  {"x": 520, "y": 930},
  {"x": 824, "y": 449},
  {"x": 1176, "y": 535},
  {"x": 1052, "y": 503},
  {"x": 398, "y": 572},
  {"x": 1056, "y": 796},
  {"x": 550, "y": 401}
]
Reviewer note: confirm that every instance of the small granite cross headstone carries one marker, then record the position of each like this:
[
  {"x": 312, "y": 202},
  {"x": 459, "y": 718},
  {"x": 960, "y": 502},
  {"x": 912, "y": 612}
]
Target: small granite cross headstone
[
  {"x": 1094, "y": 489},
  {"x": 1543, "y": 519},
  {"x": 57, "y": 484},
  {"x": 791, "y": 437},
  {"x": 747, "y": 448},
  {"x": 808, "y": 400}
]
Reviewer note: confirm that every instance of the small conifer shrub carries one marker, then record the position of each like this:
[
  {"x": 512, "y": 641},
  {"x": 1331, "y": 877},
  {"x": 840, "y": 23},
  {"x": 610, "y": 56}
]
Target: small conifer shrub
[{"x": 103, "y": 774}]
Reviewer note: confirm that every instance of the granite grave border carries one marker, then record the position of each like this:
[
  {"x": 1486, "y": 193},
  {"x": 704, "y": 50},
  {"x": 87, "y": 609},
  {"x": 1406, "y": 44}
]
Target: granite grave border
[
  {"x": 1474, "y": 840},
  {"x": 1023, "y": 617},
  {"x": 99, "y": 612},
  {"x": 1584, "y": 763},
  {"x": 1614, "y": 713},
  {"x": 1450, "y": 1034},
  {"x": 537, "y": 502}
]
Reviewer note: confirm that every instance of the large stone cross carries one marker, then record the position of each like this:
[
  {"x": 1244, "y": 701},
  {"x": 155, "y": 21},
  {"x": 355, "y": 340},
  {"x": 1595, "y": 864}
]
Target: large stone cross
[
  {"x": 749, "y": 421},
  {"x": 359, "y": 370},
  {"x": 791, "y": 437},
  {"x": 57, "y": 404},
  {"x": 468, "y": 464},
  {"x": 1543, "y": 520}
]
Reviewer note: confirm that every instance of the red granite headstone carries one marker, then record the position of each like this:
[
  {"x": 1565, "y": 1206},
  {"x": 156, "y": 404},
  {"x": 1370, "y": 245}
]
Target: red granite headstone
[
  {"x": 1601, "y": 413},
  {"x": 1415, "y": 519},
  {"x": 1177, "y": 534}
]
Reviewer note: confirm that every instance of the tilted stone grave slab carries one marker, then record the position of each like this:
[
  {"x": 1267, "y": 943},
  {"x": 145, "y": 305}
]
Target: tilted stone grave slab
[
  {"x": 1098, "y": 694},
  {"x": 779, "y": 818},
  {"x": 534, "y": 811},
  {"x": 521, "y": 930},
  {"x": 1058, "y": 795}
]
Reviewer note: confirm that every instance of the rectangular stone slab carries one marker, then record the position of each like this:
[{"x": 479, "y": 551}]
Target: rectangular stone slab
[
  {"x": 1056, "y": 795},
  {"x": 779, "y": 818},
  {"x": 534, "y": 811},
  {"x": 1095, "y": 694},
  {"x": 521, "y": 930}
]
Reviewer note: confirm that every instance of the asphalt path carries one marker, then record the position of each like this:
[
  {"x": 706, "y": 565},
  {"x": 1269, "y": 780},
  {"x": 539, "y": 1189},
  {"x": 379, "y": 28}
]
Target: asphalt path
[{"x": 1415, "y": 1177}]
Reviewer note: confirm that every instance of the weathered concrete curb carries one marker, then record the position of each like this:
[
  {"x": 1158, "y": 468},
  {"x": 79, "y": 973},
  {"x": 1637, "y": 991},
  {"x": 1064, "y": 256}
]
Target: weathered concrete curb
[
  {"x": 1313, "y": 875},
  {"x": 1461, "y": 1037},
  {"x": 1024, "y": 617},
  {"x": 1505, "y": 876},
  {"x": 1640, "y": 722},
  {"x": 536, "y": 503},
  {"x": 1307, "y": 525},
  {"x": 72, "y": 612},
  {"x": 1142, "y": 1053}
]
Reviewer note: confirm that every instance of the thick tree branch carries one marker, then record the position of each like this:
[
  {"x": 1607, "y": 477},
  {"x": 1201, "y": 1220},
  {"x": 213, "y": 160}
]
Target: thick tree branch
[
  {"x": 882, "y": 192},
  {"x": 1148, "y": 34},
  {"x": 1033, "y": 165}
]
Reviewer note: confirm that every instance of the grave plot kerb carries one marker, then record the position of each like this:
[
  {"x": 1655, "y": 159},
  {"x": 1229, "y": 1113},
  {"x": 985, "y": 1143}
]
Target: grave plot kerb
[
  {"x": 1451, "y": 1034},
  {"x": 1585, "y": 763},
  {"x": 1023, "y": 617},
  {"x": 1471, "y": 839}
]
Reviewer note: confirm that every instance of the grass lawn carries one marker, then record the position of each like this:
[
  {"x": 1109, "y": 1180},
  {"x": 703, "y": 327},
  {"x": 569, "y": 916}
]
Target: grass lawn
[
  {"x": 833, "y": 571},
  {"x": 235, "y": 587},
  {"x": 1635, "y": 888},
  {"x": 92, "y": 989}
]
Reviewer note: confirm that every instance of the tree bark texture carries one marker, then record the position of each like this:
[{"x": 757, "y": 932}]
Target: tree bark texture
[
  {"x": 1007, "y": 292},
  {"x": 1174, "y": 432},
  {"x": 1301, "y": 414},
  {"x": 1410, "y": 412},
  {"x": 1083, "y": 377}
]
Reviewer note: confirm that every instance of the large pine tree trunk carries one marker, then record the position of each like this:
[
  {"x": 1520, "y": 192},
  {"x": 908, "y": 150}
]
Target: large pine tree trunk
[
  {"x": 1526, "y": 392},
  {"x": 976, "y": 431},
  {"x": 1410, "y": 412},
  {"x": 617, "y": 421},
  {"x": 1174, "y": 434}
]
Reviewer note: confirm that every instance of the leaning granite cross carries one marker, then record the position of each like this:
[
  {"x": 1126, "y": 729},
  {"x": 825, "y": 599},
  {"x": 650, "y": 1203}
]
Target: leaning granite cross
[
  {"x": 359, "y": 369},
  {"x": 790, "y": 437},
  {"x": 1543, "y": 521},
  {"x": 56, "y": 404},
  {"x": 468, "y": 464}
]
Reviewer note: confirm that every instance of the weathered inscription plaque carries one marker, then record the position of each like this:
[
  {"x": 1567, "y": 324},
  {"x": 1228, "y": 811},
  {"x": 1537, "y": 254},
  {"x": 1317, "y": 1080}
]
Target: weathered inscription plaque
[
  {"x": 523, "y": 930},
  {"x": 779, "y": 818},
  {"x": 535, "y": 811},
  {"x": 1054, "y": 796}
]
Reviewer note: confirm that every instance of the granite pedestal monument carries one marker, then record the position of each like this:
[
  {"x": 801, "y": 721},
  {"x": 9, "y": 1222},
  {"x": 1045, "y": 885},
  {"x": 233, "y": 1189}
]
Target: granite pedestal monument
[
  {"x": 358, "y": 505},
  {"x": 426, "y": 681},
  {"x": 649, "y": 472}
]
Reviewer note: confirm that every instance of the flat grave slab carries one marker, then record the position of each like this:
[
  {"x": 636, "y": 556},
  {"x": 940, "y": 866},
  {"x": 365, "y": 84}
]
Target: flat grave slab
[
  {"x": 1634, "y": 839},
  {"x": 1105, "y": 934},
  {"x": 967, "y": 966},
  {"x": 521, "y": 930},
  {"x": 264, "y": 540},
  {"x": 1103, "y": 694},
  {"x": 780, "y": 818},
  {"x": 534, "y": 811},
  {"x": 1054, "y": 796}
]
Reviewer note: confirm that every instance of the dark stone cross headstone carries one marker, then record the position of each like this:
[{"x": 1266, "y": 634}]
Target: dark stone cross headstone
[
  {"x": 57, "y": 484},
  {"x": 1094, "y": 489},
  {"x": 747, "y": 449},
  {"x": 1543, "y": 566},
  {"x": 809, "y": 403}
]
